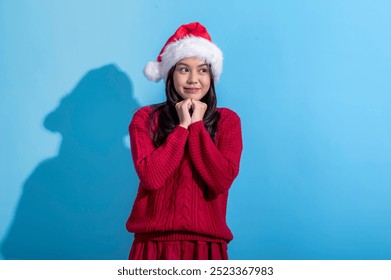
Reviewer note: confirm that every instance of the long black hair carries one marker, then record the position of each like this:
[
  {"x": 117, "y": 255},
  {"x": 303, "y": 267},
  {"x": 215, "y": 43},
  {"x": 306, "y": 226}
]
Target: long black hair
[{"x": 168, "y": 117}]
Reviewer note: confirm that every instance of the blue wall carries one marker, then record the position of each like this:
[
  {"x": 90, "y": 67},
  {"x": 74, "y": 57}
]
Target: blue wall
[{"x": 310, "y": 80}]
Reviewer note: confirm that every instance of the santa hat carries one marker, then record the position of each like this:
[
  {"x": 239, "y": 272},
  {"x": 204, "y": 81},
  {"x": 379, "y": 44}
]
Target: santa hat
[{"x": 190, "y": 40}]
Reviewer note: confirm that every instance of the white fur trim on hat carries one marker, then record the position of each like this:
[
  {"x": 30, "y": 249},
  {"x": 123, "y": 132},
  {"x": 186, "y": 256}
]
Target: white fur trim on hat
[
  {"x": 189, "y": 46},
  {"x": 153, "y": 71}
]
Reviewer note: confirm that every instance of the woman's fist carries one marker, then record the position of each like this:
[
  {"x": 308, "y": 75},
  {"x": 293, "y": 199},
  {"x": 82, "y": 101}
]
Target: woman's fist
[
  {"x": 199, "y": 109},
  {"x": 183, "y": 110}
]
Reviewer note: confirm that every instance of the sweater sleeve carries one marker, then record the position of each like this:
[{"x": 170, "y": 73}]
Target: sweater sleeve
[
  {"x": 154, "y": 165},
  {"x": 217, "y": 164}
]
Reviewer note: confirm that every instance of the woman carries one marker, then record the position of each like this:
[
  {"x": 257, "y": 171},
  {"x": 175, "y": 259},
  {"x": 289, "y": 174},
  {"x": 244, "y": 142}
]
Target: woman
[{"x": 186, "y": 152}]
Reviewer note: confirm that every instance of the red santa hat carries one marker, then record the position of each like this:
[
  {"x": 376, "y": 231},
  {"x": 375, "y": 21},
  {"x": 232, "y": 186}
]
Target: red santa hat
[{"x": 190, "y": 40}]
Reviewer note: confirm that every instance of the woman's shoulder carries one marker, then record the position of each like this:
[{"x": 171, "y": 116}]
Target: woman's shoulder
[
  {"x": 142, "y": 114},
  {"x": 144, "y": 110},
  {"x": 227, "y": 114}
]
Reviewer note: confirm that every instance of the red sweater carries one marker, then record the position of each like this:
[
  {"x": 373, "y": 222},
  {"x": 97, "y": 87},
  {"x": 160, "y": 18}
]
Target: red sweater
[{"x": 184, "y": 183}]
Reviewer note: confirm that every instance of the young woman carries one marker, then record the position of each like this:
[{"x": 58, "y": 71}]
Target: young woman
[{"x": 186, "y": 152}]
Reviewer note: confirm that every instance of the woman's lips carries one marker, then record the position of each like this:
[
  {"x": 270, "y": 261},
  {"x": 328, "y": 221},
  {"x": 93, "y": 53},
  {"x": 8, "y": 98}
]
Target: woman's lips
[{"x": 191, "y": 90}]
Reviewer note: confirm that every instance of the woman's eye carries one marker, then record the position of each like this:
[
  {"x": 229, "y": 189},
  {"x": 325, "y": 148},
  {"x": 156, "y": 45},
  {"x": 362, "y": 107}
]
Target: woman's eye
[
  {"x": 204, "y": 70},
  {"x": 183, "y": 70}
]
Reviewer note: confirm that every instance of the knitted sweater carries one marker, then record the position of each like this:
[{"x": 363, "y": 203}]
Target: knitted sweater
[{"x": 184, "y": 182}]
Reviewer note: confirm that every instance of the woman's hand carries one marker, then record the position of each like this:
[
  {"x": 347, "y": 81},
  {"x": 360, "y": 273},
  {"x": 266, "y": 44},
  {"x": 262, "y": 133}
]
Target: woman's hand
[
  {"x": 183, "y": 110},
  {"x": 199, "y": 109}
]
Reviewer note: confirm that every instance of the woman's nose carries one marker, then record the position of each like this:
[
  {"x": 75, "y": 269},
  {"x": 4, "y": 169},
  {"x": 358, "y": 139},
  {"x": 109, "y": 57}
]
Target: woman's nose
[{"x": 192, "y": 78}]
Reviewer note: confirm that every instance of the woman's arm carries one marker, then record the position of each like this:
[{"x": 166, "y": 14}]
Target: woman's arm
[
  {"x": 218, "y": 165},
  {"x": 154, "y": 165}
]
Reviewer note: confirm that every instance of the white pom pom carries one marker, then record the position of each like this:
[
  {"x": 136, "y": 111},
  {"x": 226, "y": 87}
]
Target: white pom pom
[{"x": 153, "y": 71}]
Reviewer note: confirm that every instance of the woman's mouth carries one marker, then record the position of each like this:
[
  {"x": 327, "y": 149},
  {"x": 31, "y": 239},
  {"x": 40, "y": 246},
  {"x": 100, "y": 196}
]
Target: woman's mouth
[{"x": 191, "y": 90}]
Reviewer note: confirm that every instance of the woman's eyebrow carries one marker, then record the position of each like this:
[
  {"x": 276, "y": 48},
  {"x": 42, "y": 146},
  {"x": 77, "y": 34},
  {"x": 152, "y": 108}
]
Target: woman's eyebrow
[{"x": 184, "y": 64}]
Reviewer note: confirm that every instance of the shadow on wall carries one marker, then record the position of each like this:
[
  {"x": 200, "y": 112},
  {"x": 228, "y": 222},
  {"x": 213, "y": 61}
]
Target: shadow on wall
[{"x": 75, "y": 205}]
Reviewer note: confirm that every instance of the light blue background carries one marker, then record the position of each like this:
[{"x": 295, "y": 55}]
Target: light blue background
[{"x": 310, "y": 80}]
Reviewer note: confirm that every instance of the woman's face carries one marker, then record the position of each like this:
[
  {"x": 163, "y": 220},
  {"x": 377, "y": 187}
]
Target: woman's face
[{"x": 192, "y": 78}]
